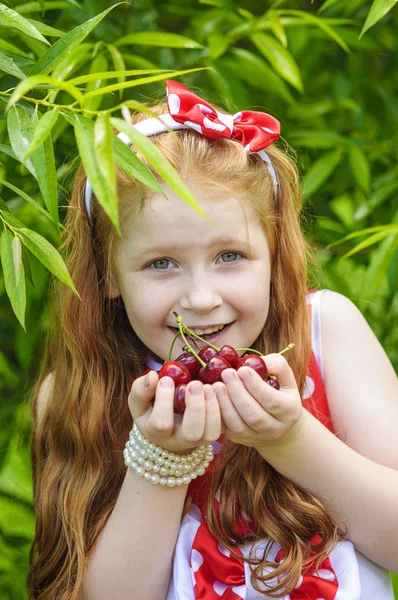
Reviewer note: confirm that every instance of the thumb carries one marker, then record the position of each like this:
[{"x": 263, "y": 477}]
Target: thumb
[
  {"x": 142, "y": 393},
  {"x": 277, "y": 365}
]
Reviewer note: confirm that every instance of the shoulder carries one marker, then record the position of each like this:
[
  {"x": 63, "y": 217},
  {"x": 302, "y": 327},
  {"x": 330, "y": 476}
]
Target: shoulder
[
  {"x": 360, "y": 382},
  {"x": 43, "y": 397}
]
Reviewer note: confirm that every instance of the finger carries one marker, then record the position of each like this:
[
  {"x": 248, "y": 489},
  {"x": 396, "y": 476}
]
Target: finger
[
  {"x": 229, "y": 415},
  {"x": 248, "y": 408},
  {"x": 212, "y": 429},
  {"x": 161, "y": 420},
  {"x": 193, "y": 422},
  {"x": 142, "y": 393},
  {"x": 277, "y": 365},
  {"x": 269, "y": 399}
]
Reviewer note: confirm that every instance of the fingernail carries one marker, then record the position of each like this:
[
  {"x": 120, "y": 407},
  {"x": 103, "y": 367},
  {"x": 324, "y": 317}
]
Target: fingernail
[
  {"x": 195, "y": 389},
  {"x": 146, "y": 380},
  {"x": 228, "y": 376},
  {"x": 166, "y": 382}
]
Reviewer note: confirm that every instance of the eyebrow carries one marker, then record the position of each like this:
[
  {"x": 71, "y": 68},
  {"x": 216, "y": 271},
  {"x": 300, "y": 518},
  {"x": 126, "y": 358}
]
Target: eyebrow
[{"x": 222, "y": 240}]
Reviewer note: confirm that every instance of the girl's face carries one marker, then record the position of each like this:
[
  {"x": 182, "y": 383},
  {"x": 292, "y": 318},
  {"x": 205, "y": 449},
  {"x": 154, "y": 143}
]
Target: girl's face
[{"x": 172, "y": 259}]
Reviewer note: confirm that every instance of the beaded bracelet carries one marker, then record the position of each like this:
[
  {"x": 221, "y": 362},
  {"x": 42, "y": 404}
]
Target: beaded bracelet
[{"x": 160, "y": 466}]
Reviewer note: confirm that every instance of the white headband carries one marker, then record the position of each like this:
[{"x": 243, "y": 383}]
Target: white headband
[{"x": 162, "y": 124}]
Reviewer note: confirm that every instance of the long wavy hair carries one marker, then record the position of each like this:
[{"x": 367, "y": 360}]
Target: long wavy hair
[{"x": 92, "y": 356}]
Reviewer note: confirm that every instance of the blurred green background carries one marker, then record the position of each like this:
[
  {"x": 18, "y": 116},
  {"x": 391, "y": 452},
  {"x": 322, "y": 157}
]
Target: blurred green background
[{"x": 326, "y": 69}]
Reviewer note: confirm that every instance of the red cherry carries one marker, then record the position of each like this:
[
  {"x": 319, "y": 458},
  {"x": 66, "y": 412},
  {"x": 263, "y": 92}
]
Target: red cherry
[
  {"x": 190, "y": 362},
  {"x": 230, "y": 355},
  {"x": 272, "y": 382},
  {"x": 179, "y": 399},
  {"x": 212, "y": 371},
  {"x": 178, "y": 372},
  {"x": 206, "y": 353},
  {"x": 254, "y": 361}
]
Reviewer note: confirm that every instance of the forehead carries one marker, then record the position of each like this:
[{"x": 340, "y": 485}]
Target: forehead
[{"x": 168, "y": 221}]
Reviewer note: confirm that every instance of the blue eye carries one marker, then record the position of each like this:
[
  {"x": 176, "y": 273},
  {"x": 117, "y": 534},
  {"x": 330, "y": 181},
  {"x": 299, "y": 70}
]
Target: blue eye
[
  {"x": 160, "y": 261},
  {"x": 231, "y": 256}
]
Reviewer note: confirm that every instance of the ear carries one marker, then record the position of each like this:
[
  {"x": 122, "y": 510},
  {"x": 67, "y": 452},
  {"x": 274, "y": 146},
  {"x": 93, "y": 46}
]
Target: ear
[{"x": 112, "y": 288}]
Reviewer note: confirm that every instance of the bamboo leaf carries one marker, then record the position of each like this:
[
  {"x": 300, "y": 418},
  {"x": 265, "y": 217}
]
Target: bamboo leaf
[
  {"x": 19, "y": 132},
  {"x": 158, "y": 38},
  {"x": 37, "y": 80},
  {"x": 8, "y": 66},
  {"x": 43, "y": 130},
  {"x": 372, "y": 239},
  {"x": 141, "y": 81},
  {"x": 319, "y": 172},
  {"x": 327, "y": 4},
  {"x": 279, "y": 58},
  {"x": 119, "y": 64},
  {"x": 47, "y": 255},
  {"x": 391, "y": 229},
  {"x": 103, "y": 150},
  {"x": 28, "y": 198},
  {"x": 321, "y": 23},
  {"x": 378, "y": 10},
  {"x": 360, "y": 167},
  {"x": 14, "y": 277},
  {"x": 29, "y": 7},
  {"x": 158, "y": 162},
  {"x": 115, "y": 75},
  {"x": 66, "y": 43},
  {"x": 46, "y": 29},
  {"x": 10, "y": 18},
  {"x": 277, "y": 27},
  {"x": 100, "y": 185}
]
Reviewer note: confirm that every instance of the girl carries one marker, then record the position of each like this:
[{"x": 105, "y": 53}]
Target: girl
[{"x": 296, "y": 496}]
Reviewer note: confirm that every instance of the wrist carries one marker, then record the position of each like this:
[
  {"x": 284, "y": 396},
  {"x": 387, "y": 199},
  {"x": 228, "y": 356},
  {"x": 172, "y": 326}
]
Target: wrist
[{"x": 289, "y": 440}]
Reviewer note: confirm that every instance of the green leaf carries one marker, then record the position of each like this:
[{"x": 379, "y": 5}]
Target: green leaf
[
  {"x": 100, "y": 185},
  {"x": 103, "y": 149},
  {"x": 159, "y": 163},
  {"x": 44, "y": 163},
  {"x": 47, "y": 255},
  {"x": 372, "y": 239},
  {"x": 360, "y": 167},
  {"x": 343, "y": 207},
  {"x": 15, "y": 519},
  {"x": 118, "y": 63},
  {"x": 379, "y": 264},
  {"x": 277, "y": 27},
  {"x": 256, "y": 72},
  {"x": 379, "y": 197},
  {"x": 378, "y": 10},
  {"x": 321, "y": 23},
  {"x": 98, "y": 65},
  {"x": 8, "y": 66},
  {"x": 14, "y": 276},
  {"x": 328, "y": 4},
  {"x": 116, "y": 75},
  {"x": 158, "y": 38},
  {"x": 30, "y": 7},
  {"x": 317, "y": 138},
  {"x": 46, "y": 29},
  {"x": 35, "y": 81},
  {"x": 43, "y": 130},
  {"x": 10, "y": 18},
  {"x": 279, "y": 58},
  {"x": 12, "y": 49},
  {"x": 319, "y": 172},
  {"x": 391, "y": 229},
  {"x": 28, "y": 199},
  {"x": 19, "y": 132},
  {"x": 66, "y": 43},
  {"x": 141, "y": 81}
]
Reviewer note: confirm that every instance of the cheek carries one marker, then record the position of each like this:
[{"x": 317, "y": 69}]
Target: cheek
[{"x": 147, "y": 303}]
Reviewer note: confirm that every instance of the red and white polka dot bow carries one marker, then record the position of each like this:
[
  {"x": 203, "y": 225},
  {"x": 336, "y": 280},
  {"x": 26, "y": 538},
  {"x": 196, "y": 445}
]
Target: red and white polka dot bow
[{"x": 255, "y": 130}]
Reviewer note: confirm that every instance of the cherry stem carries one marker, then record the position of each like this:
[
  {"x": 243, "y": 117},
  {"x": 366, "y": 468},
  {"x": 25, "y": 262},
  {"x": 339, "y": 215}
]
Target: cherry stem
[
  {"x": 192, "y": 334},
  {"x": 181, "y": 328},
  {"x": 289, "y": 347},
  {"x": 172, "y": 346}
]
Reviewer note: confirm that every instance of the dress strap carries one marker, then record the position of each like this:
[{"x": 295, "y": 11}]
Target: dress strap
[{"x": 314, "y": 298}]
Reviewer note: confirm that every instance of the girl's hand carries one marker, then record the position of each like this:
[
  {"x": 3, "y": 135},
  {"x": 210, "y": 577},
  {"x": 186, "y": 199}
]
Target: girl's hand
[
  {"x": 200, "y": 424},
  {"x": 254, "y": 413}
]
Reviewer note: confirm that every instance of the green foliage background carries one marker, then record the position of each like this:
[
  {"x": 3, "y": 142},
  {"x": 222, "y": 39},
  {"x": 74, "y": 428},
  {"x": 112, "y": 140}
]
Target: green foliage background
[{"x": 325, "y": 69}]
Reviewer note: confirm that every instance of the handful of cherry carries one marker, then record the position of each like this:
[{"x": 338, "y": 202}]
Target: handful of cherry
[{"x": 208, "y": 364}]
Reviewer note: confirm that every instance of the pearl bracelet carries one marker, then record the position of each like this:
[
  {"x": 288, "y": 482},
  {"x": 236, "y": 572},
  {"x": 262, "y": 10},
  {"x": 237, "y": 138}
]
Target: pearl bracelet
[{"x": 160, "y": 466}]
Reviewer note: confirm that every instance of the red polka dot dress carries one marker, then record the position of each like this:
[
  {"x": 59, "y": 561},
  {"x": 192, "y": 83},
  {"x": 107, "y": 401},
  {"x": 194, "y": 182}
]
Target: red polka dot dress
[{"x": 204, "y": 570}]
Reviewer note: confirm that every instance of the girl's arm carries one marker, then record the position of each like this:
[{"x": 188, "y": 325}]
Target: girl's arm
[
  {"x": 133, "y": 555},
  {"x": 355, "y": 473}
]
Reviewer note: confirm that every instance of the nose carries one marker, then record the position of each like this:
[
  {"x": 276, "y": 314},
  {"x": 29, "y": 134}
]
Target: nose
[{"x": 201, "y": 296}]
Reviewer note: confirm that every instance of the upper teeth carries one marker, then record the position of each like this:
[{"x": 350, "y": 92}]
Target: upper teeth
[{"x": 199, "y": 331}]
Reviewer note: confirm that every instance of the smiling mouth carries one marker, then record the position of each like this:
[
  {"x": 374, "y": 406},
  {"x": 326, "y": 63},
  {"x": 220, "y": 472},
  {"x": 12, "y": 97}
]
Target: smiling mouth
[{"x": 206, "y": 336}]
